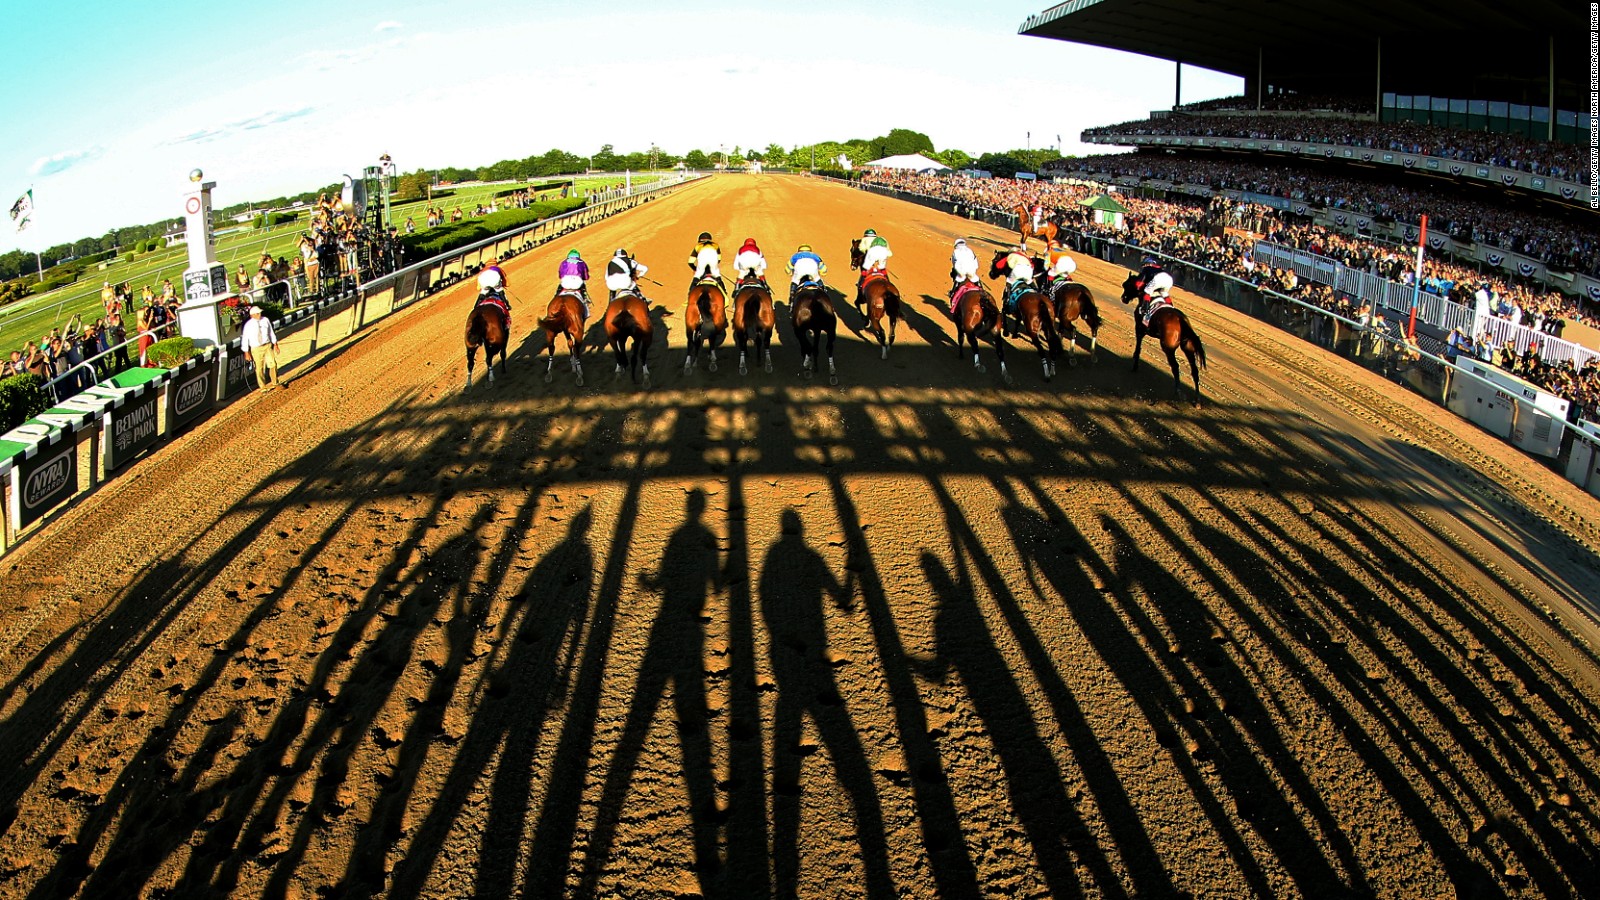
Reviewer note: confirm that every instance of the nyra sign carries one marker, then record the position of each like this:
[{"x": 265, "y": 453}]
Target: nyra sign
[{"x": 46, "y": 480}]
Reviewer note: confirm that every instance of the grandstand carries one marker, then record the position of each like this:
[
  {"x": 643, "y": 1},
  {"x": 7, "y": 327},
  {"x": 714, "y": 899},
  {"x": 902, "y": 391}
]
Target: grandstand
[{"x": 1364, "y": 118}]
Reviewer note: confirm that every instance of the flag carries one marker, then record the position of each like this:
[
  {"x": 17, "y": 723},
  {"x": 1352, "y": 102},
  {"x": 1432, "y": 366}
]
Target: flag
[{"x": 22, "y": 210}]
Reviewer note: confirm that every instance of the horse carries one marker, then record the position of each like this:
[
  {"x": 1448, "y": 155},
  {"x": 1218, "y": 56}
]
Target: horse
[
  {"x": 627, "y": 317},
  {"x": 565, "y": 316},
  {"x": 1074, "y": 301},
  {"x": 753, "y": 321},
  {"x": 1047, "y": 232},
  {"x": 1169, "y": 325},
  {"x": 882, "y": 300},
  {"x": 976, "y": 316},
  {"x": 705, "y": 321},
  {"x": 811, "y": 314},
  {"x": 488, "y": 326},
  {"x": 1036, "y": 319}
]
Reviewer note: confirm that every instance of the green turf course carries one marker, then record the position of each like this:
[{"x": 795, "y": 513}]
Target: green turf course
[{"x": 33, "y": 317}]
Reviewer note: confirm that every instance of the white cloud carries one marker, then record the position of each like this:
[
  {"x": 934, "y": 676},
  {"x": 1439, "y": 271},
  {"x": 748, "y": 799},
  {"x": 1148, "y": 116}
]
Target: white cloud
[
  {"x": 388, "y": 25},
  {"x": 261, "y": 120},
  {"x": 60, "y": 162}
]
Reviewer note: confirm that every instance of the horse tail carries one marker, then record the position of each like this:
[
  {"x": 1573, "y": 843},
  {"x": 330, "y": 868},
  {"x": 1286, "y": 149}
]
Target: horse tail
[
  {"x": 1089, "y": 311},
  {"x": 1187, "y": 336},
  {"x": 477, "y": 328},
  {"x": 891, "y": 303},
  {"x": 553, "y": 322},
  {"x": 989, "y": 317},
  {"x": 752, "y": 316},
  {"x": 703, "y": 301},
  {"x": 1052, "y": 338}
]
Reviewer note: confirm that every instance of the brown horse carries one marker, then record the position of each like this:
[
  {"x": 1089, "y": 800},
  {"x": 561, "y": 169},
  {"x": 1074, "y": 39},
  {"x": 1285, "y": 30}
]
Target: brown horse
[
  {"x": 1074, "y": 302},
  {"x": 753, "y": 321},
  {"x": 1047, "y": 232},
  {"x": 882, "y": 300},
  {"x": 489, "y": 327},
  {"x": 811, "y": 314},
  {"x": 1036, "y": 319},
  {"x": 628, "y": 318},
  {"x": 976, "y": 317},
  {"x": 565, "y": 316},
  {"x": 1171, "y": 327},
  {"x": 705, "y": 321}
]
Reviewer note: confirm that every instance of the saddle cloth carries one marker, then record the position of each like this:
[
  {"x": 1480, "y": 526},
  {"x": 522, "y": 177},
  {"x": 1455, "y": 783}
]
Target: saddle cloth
[
  {"x": 1016, "y": 289},
  {"x": 965, "y": 288},
  {"x": 1150, "y": 308},
  {"x": 497, "y": 301}
]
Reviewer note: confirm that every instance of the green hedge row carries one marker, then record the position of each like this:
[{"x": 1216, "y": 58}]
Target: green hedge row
[
  {"x": 21, "y": 398},
  {"x": 170, "y": 353},
  {"x": 267, "y": 220},
  {"x": 445, "y": 238}
]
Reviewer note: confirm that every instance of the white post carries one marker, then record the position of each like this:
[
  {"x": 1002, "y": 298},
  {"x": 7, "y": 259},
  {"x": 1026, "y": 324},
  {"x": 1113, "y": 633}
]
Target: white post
[{"x": 205, "y": 282}]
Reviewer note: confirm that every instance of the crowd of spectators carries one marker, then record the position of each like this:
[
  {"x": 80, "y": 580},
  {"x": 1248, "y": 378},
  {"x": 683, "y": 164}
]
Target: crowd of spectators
[
  {"x": 1285, "y": 102},
  {"x": 1510, "y": 151},
  {"x": 1189, "y": 231},
  {"x": 1568, "y": 246}
]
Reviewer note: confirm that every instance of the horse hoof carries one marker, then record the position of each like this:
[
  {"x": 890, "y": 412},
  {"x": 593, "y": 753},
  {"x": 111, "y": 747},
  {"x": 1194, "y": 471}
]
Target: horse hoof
[
  {"x": 885, "y": 354},
  {"x": 713, "y": 363},
  {"x": 768, "y": 367},
  {"x": 580, "y": 380},
  {"x": 980, "y": 369},
  {"x": 807, "y": 374},
  {"x": 549, "y": 377},
  {"x": 833, "y": 380}
]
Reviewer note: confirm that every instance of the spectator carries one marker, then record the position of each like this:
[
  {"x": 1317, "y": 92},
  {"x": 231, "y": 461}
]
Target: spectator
[{"x": 260, "y": 345}]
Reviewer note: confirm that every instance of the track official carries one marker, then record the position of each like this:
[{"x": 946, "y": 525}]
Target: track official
[{"x": 260, "y": 345}]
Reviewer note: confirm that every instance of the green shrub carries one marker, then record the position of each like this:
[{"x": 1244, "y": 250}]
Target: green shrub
[
  {"x": 21, "y": 398},
  {"x": 448, "y": 237},
  {"x": 55, "y": 280},
  {"x": 171, "y": 353}
]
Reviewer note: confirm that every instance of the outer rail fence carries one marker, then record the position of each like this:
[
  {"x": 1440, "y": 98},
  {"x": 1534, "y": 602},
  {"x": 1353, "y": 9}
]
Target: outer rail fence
[
  {"x": 1520, "y": 413},
  {"x": 88, "y": 438}
]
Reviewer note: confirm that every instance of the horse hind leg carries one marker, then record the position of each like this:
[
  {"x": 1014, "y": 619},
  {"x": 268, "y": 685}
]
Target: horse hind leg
[
  {"x": 1194, "y": 372},
  {"x": 833, "y": 374}
]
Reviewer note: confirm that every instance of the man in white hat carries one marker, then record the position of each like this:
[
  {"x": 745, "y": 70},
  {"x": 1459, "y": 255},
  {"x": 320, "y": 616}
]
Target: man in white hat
[{"x": 260, "y": 345}]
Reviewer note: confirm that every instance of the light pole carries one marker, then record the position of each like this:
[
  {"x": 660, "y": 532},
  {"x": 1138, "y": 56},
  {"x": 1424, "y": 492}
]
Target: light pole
[{"x": 386, "y": 171}]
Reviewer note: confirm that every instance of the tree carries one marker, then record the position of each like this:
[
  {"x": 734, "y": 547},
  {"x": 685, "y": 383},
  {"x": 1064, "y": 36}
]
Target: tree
[
  {"x": 696, "y": 159},
  {"x": 606, "y": 160},
  {"x": 1003, "y": 165},
  {"x": 411, "y": 186},
  {"x": 775, "y": 155},
  {"x": 902, "y": 141}
]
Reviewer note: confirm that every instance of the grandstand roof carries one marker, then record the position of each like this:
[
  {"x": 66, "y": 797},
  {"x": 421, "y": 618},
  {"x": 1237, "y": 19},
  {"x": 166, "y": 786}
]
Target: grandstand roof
[{"x": 1311, "y": 47}]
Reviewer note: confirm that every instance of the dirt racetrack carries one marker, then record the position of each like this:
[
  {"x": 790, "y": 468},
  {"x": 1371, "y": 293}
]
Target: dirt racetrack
[{"x": 736, "y": 636}]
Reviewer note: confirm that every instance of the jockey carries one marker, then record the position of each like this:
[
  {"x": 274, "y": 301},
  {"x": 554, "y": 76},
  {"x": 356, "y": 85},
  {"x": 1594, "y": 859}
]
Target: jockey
[
  {"x": 574, "y": 276},
  {"x": 1018, "y": 269},
  {"x": 1147, "y": 271},
  {"x": 1038, "y": 216},
  {"x": 876, "y": 251},
  {"x": 622, "y": 274},
  {"x": 749, "y": 261},
  {"x": 1157, "y": 291},
  {"x": 492, "y": 287},
  {"x": 706, "y": 257},
  {"x": 1059, "y": 265},
  {"x": 804, "y": 266},
  {"x": 963, "y": 266}
]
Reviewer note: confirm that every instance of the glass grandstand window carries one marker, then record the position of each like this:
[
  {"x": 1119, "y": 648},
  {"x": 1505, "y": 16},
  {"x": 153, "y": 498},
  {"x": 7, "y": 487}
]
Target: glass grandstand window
[
  {"x": 1497, "y": 108},
  {"x": 1401, "y": 101},
  {"x": 1519, "y": 112},
  {"x": 1389, "y": 101}
]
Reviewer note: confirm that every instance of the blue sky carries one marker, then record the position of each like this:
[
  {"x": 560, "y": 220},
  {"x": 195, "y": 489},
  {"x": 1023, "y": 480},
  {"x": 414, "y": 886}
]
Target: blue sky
[{"x": 113, "y": 103}]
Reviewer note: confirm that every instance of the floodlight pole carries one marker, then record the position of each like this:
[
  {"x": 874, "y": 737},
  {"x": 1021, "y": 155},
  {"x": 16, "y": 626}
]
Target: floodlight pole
[{"x": 1177, "y": 88}]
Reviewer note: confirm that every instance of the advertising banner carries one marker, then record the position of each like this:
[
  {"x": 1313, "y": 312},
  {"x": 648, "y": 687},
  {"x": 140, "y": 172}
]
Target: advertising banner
[
  {"x": 129, "y": 430},
  {"x": 238, "y": 374},
  {"x": 43, "y": 481},
  {"x": 190, "y": 394}
]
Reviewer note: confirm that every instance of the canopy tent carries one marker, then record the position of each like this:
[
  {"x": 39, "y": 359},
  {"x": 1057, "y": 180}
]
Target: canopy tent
[
  {"x": 1106, "y": 210},
  {"x": 915, "y": 162}
]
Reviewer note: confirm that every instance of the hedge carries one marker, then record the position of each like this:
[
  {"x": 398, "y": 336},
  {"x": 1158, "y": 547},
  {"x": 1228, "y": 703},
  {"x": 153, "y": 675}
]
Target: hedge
[
  {"x": 445, "y": 238},
  {"x": 170, "y": 353},
  {"x": 21, "y": 398}
]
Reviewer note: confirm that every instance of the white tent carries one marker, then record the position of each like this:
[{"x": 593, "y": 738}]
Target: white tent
[{"x": 915, "y": 162}]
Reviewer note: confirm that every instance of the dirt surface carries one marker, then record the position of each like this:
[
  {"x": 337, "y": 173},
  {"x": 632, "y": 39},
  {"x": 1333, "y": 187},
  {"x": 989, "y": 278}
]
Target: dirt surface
[{"x": 921, "y": 634}]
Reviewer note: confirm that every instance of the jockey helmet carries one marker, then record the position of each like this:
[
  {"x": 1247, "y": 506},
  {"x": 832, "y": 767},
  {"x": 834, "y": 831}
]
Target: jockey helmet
[
  {"x": 1068, "y": 265},
  {"x": 488, "y": 279},
  {"x": 961, "y": 242},
  {"x": 705, "y": 237},
  {"x": 1159, "y": 285},
  {"x": 573, "y": 254},
  {"x": 621, "y": 253},
  {"x": 1151, "y": 261},
  {"x": 749, "y": 242},
  {"x": 871, "y": 233},
  {"x": 804, "y": 248},
  {"x": 492, "y": 261}
]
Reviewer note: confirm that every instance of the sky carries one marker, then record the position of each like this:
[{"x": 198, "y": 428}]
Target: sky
[{"x": 277, "y": 98}]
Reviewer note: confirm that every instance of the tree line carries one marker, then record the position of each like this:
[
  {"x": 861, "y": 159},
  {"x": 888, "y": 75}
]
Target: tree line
[{"x": 556, "y": 162}]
